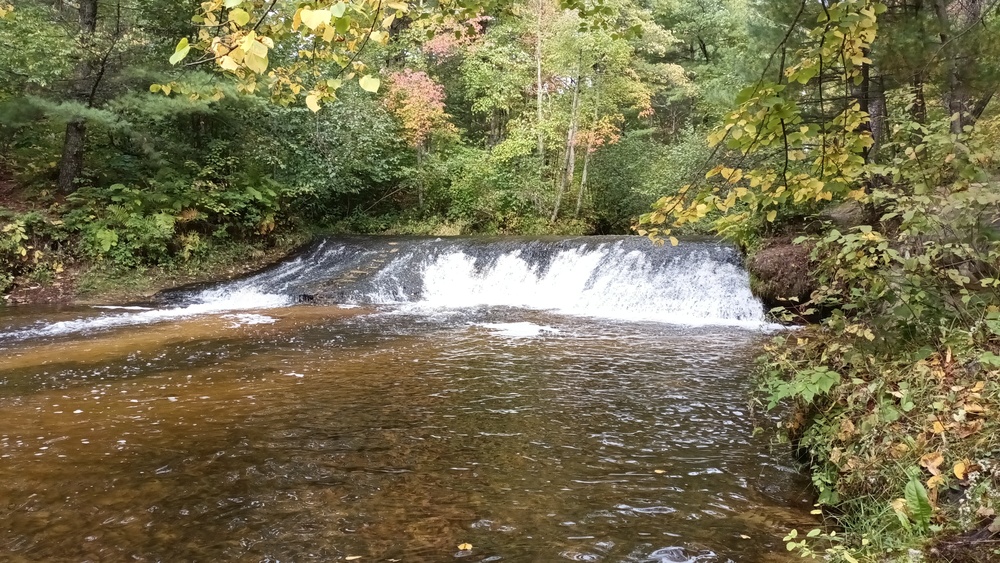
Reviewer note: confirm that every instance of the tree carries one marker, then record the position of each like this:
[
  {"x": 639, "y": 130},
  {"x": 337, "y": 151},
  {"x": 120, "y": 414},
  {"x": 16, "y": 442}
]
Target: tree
[{"x": 418, "y": 102}]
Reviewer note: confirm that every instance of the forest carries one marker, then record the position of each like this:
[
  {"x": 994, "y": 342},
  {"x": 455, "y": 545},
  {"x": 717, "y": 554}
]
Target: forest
[{"x": 850, "y": 148}]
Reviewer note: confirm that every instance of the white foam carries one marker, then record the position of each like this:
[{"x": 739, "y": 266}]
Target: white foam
[
  {"x": 603, "y": 282},
  {"x": 518, "y": 330},
  {"x": 241, "y": 319},
  {"x": 209, "y": 302}
]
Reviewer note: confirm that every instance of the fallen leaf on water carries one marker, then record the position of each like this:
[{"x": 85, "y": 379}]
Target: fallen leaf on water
[
  {"x": 744, "y": 536},
  {"x": 659, "y": 471},
  {"x": 352, "y": 558},
  {"x": 465, "y": 547}
]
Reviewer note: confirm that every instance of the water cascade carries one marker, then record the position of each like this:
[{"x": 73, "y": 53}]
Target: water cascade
[{"x": 622, "y": 278}]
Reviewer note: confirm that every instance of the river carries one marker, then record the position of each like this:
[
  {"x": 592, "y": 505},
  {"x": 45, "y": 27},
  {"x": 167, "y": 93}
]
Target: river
[{"x": 537, "y": 400}]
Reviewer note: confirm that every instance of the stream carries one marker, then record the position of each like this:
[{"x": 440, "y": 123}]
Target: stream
[{"x": 390, "y": 399}]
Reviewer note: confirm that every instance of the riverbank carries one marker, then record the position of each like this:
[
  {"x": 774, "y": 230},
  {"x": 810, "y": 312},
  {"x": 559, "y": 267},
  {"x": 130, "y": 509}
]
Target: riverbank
[
  {"x": 899, "y": 430},
  {"x": 87, "y": 282}
]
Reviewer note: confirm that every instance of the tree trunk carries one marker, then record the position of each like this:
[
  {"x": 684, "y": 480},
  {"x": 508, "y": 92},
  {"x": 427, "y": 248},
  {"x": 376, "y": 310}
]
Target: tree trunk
[
  {"x": 570, "y": 147},
  {"x": 71, "y": 162},
  {"x": 957, "y": 96},
  {"x": 919, "y": 111},
  {"x": 538, "y": 87},
  {"x": 704, "y": 50},
  {"x": 586, "y": 155},
  {"x": 981, "y": 105},
  {"x": 879, "y": 115},
  {"x": 862, "y": 95},
  {"x": 583, "y": 179},
  {"x": 420, "y": 181}
]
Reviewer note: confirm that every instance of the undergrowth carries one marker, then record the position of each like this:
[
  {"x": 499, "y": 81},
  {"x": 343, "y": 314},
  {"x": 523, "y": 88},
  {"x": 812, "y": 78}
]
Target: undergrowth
[{"x": 897, "y": 390}]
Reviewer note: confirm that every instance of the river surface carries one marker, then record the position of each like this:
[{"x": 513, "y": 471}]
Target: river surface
[{"x": 384, "y": 432}]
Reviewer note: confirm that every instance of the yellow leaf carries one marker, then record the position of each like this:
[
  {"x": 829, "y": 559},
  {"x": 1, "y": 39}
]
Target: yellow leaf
[
  {"x": 180, "y": 51},
  {"x": 329, "y": 34},
  {"x": 935, "y": 482},
  {"x": 401, "y": 6},
  {"x": 931, "y": 462},
  {"x": 312, "y": 102},
  {"x": 961, "y": 469},
  {"x": 465, "y": 546},
  {"x": 256, "y": 48},
  {"x": 256, "y": 63},
  {"x": 980, "y": 385},
  {"x": 938, "y": 427},
  {"x": 974, "y": 408},
  {"x": 369, "y": 83},
  {"x": 771, "y": 216},
  {"x": 239, "y": 16},
  {"x": 673, "y": 241},
  {"x": 314, "y": 18},
  {"x": 227, "y": 63}
]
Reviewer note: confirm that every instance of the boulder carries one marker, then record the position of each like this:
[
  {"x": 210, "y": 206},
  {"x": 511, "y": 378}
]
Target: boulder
[{"x": 780, "y": 274}]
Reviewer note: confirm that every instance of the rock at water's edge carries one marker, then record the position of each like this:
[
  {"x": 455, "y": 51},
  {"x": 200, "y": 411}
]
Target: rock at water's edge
[{"x": 780, "y": 274}]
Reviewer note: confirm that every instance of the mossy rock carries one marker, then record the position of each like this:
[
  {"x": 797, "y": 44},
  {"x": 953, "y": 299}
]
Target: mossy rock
[{"x": 780, "y": 274}]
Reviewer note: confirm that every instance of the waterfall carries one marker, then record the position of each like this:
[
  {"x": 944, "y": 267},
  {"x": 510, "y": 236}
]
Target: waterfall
[{"x": 622, "y": 278}]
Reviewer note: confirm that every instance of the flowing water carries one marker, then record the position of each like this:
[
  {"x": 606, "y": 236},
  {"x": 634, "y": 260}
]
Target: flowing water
[{"x": 541, "y": 400}]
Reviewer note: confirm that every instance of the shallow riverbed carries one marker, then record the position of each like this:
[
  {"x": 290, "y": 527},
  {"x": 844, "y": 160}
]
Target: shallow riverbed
[{"x": 320, "y": 433}]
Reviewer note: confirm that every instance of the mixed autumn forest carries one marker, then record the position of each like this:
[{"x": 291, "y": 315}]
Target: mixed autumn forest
[{"x": 850, "y": 148}]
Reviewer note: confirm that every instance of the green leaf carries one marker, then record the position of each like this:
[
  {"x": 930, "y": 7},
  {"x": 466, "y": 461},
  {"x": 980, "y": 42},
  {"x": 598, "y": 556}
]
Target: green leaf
[
  {"x": 232, "y": 3},
  {"x": 369, "y": 83},
  {"x": 106, "y": 238},
  {"x": 239, "y": 16},
  {"x": 180, "y": 52},
  {"x": 994, "y": 327},
  {"x": 918, "y": 503},
  {"x": 338, "y": 9}
]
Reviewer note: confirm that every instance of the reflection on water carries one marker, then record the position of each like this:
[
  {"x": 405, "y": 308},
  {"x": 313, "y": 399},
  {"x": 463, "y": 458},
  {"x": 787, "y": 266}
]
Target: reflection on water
[{"x": 315, "y": 434}]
